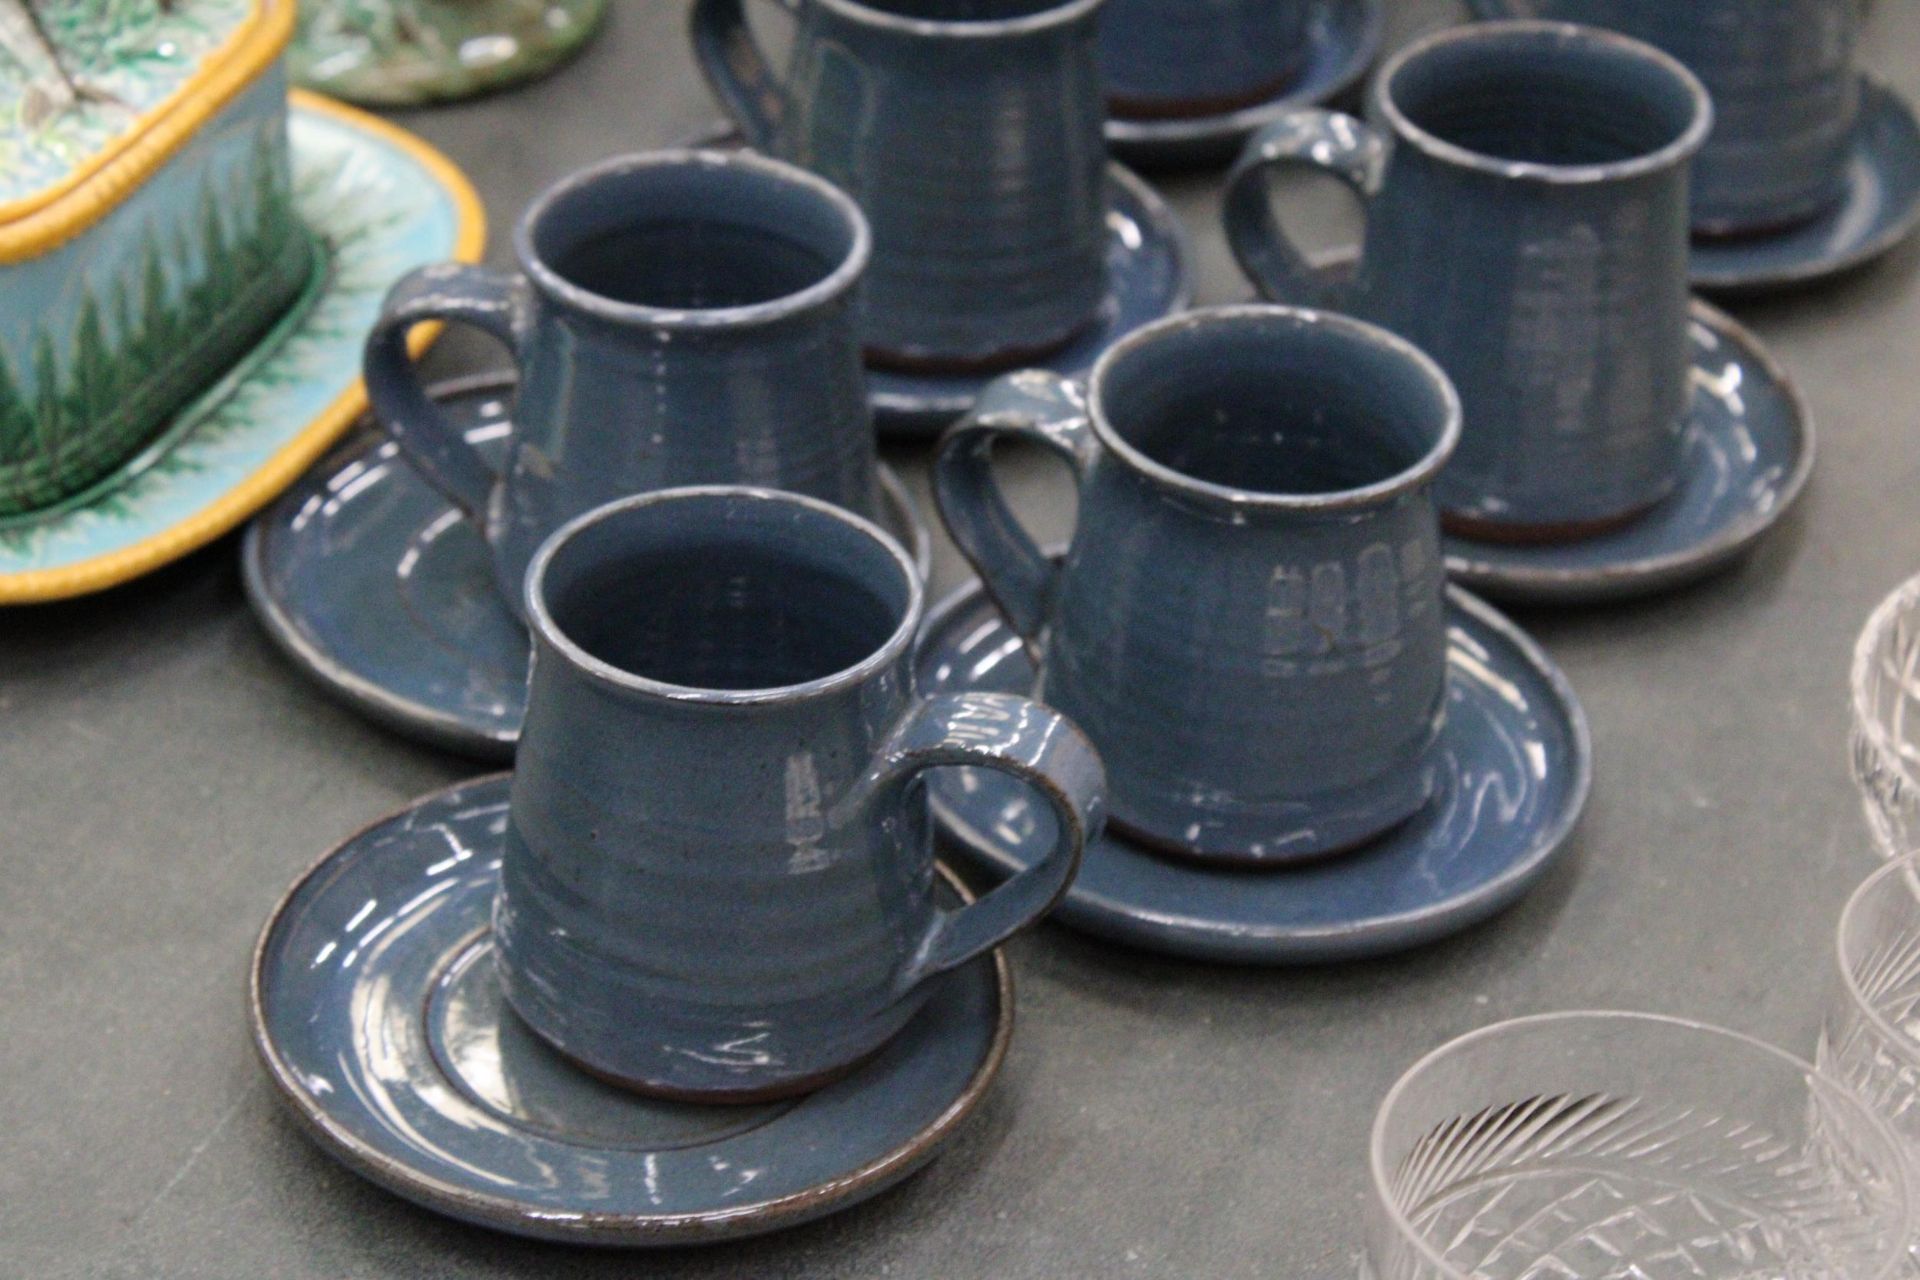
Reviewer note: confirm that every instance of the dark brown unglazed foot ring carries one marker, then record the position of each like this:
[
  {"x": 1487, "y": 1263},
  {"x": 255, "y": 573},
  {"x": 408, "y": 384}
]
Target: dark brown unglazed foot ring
[
  {"x": 1123, "y": 107},
  {"x": 934, "y": 366},
  {"x": 1501, "y": 533}
]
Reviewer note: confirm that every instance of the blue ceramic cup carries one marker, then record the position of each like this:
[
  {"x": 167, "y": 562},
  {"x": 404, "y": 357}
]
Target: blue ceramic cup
[
  {"x": 1249, "y": 620},
  {"x": 718, "y": 877},
  {"x": 680, "y": 318},
  {"x": 1172, "y": 58},
  {"x": 1786, "y": 97},
  {"x": 1526, "y": 205},
  {"x": 971, "y": 133}
]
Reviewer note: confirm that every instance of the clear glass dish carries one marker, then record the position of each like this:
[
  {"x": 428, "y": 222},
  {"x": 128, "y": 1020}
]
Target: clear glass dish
[
  {"x": 1871, "y": 1039},
  {"x": 1886, "y": 721},
  {"x": 1620, "y": 1146}
]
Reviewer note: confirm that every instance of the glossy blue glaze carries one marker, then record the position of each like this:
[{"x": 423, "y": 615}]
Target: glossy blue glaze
[
  {"x": 718, "y": 877},
  {"x": 1785, "y": 96},
  {"x": 970, "y": 132},
  {"x": 1878, "y": 210},
  {"x": 376, "y": 1007},
  {"x": 1342, "y": 40},
  {"x": 1514, "y": 767},
  {"x": 1149, "y": 276},
  {"x": 1200, "y": 57},
  {"x": 377, "y": 588},
  {"x": 1550, "y": 161},
  {"x": 1248, "y": 623},
  {"x": 1749, "y": 453},
  {"x": 683, "y": 318}
]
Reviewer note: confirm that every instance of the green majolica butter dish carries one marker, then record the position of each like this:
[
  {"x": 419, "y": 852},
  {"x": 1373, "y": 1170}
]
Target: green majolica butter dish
[{"x": 147, "y": 228}]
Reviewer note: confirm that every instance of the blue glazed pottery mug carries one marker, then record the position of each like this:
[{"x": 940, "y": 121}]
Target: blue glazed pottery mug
[
  {"x": 1786, "y": 97},
  {"x": 1526, "y": 205},
  {"x": 971, "y": 133},
  {"x": 718, "y": 877},
  {"x": 1172, "y": 58},
  {"x": 1249, "y": 621},
  {"x": 681, "y": 317}
]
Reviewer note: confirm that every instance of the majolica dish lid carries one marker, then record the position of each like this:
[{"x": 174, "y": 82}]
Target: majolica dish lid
[{"x": 109, "y": 90}]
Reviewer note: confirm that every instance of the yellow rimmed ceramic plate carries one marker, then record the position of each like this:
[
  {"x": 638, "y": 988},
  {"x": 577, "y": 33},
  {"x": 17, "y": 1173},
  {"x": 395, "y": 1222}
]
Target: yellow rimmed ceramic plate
[{"x": 380, "y": 202}]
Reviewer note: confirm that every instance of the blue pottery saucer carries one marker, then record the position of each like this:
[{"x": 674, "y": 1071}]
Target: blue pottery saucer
[
  {"x": 1749, "y": 452},
  {"x": 1515, "y": 771},
  {"x": 375, "y": 1006},
  {"x": 1345, "y": 40},
  {"x": 1880, "y": 210},
  {"x": 377, "y": 588}
]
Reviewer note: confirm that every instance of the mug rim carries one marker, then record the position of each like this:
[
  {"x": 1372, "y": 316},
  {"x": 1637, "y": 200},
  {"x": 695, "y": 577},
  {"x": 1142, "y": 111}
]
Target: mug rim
[
  {"x": 844, "y": 276},
  {"x": 1407, "y": 479},
  {"x": 541, "y": 622},
  {"x": 1379, "y": 1165},
  {"x": 1901, "y": 1043},
  {"x": 1059, "y": 14},
  {"x": 1688, "y": 144}
]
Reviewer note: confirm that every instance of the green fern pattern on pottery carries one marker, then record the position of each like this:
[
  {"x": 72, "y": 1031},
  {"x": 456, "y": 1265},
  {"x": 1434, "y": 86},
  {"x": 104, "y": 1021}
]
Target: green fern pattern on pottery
[
  {"x": 396, "y": 52},
  {"x": 123, "y": 57},
  {"x": 95, "y": 394},
  {"x": 379, "y": 214}
]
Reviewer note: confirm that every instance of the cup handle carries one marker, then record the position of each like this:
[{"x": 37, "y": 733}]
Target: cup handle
[
  {"x": 1036, "y": 406},
  {"x": 1321, "y": 140},
  {"x": 737, "y": 69},
  {"x": 1038, "y": 746},
  {"x": 489, "y": 301}
]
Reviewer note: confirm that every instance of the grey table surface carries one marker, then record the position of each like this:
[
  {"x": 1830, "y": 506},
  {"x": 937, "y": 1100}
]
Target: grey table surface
[{"x": 164, "y": 774}]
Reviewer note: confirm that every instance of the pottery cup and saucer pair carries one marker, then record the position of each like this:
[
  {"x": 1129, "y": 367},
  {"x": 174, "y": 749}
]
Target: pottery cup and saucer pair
[
  {"x": 1317, "y": 749},
  {"x": 542, "y": 1003},
  {"x": 1812, "y": 169},
  {"x": 1621, "y": 437}
]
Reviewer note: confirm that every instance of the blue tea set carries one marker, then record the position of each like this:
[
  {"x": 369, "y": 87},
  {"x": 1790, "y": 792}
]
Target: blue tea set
[{"x": 692, "y": 971}]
